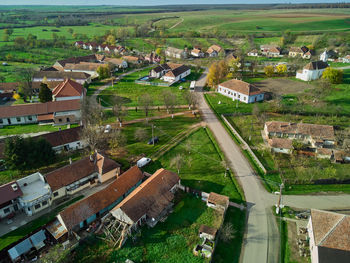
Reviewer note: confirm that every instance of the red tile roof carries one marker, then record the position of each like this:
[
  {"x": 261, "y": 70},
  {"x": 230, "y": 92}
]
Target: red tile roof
[
  {"x": 62, "y": 137},
  {"x": 68, "y": 88},
  {"x": 151, "y": 197},
  {"x": 241, "y": 87},
  {"x": 218, "y": 199},
  {"x": 89, "y": 206},
  {"x": 7, "y": 193},
  {"x": 39, "y": 108}
]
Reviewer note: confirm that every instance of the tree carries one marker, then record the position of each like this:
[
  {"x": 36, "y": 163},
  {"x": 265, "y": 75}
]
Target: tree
[
  {"x": 213, "y": 75},
  {"x": 334, "y": 76},
  {"x": 169, "y": 99},
  {"x": 8, "y": 31},
  {"x": 191, "y": 100},
  {"x": 27, "y": 153},
  {"x": 95, "y": 137},
  {"x": 110, "y": 40},
  {"x": 141, "y": 134},
  {"x": 269, "y": 71},
  {"x": 45, "y": 94},
  {"x": 281, "y": 69},
  {"x": 159, "y": 51},
  {"x": 25, "y": 75},
  {"x": 5, "y": 37},
  {"x": 177, "y": 162},
  {"x": 2, "y": 78},
  {"x": 119, "y": 110},
  {"x": 227, "y": 232},
  {"x": 117, "y": 139},
  {"x": 92, "y": 113},
  {"x": 16, "y": 96},
  {"x": 146, "y": 102},
  {"x": 19, "y": 42},
  {"x": 103, "y": 72}
]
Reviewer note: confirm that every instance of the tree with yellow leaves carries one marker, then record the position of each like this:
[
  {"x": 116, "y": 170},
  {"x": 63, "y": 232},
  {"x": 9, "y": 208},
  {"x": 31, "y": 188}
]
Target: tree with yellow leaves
[
  {"x": 16, "y": 96},
  {"x": 281, "y": 69},
  {"x": 269, "y": 71}
]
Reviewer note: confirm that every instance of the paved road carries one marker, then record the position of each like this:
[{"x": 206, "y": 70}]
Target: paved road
[{"x": 261, "y": 242}]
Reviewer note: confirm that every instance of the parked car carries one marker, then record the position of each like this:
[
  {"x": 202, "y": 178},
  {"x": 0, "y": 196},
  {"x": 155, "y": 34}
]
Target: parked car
[
  {"x": 155, "y": 139},
  {"x": 143, "y": 162}
]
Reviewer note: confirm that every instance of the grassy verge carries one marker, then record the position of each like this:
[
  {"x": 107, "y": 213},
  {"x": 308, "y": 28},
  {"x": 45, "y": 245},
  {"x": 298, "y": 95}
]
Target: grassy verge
[
  {"x": 28, "y": 228},
  {"x": 31, "y": 128}
]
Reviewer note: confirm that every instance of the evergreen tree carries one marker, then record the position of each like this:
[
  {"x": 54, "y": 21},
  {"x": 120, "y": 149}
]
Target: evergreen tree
[{"x": 45, "y": 94}]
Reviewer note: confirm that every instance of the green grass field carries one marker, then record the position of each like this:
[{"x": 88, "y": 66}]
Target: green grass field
[{"x": 30, "y": 128}]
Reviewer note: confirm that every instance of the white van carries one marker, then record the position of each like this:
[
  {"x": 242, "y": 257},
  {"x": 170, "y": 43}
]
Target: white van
[
  {"x": 143, "y": 162},
  {"x": 192, "y": 85}
]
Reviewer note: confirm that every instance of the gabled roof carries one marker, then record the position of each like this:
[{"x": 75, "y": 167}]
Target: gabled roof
[
  {"x": 77, "y": 60},
  {"x": 331, "y": 230},
  {"x": 174, "y": 50},
  {"x": 316, "y": 65},
  {"x": 196, "y": 51},
  {"x": 218, "y": 199},
  {"x": 213, "y": 48},
  {"x": 62, "y": 137},
  {"x": 83, "y": 66},
  {"x": 7, "y": 193},
  {"x": 208, "y": 230},
  {"x": 89, "y": 206},
  {"x": 61, "y": 75},
  {"x": 241, "y": 86},
  {"x": 151, "y": 197},
  {"x": 39, "y": 108},
  {"x": 78, "y": 170},
  {"x": 280, "y": 143},
  {"x": 177, "y": 71},
  {"x": 115, "y": 61},
  {"x": 68, "y": 88}
]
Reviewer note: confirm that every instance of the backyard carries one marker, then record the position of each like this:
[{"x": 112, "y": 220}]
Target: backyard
[{"x": 171, "y": 241}]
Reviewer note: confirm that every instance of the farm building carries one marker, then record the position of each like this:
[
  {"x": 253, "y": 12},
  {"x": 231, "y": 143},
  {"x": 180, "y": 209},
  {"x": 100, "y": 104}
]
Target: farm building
[
  {"x": 175, "y": 53},
  {"x": 312, "y": 71},
  {"x": 302, "y": 52},
  {"x": 280, "y": 145},
  {"x": 240, "y": 90},
  {"x": 214, "y": 50},
  {"x": 86, "y": 211},
  {"x": 149, "y": 202},
  {"x": 270, "y": 50},
  {"x": 329, "y": 237},
  {"x": 68, "y": 90},
  {"x": 79, "y": 77},
  {"x": 217, "y": 201}
]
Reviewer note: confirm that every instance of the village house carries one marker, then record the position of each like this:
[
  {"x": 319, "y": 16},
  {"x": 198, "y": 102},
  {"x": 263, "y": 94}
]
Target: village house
[
  {"x": 312, "y": 71},
  {"x": 84, "y": 67},
  {"x": 270, "y": 50},
  {"x": 329, "y": 237},
  {"x": 280, "y": 145},
  {"x": 36, "y": 193},
  {"x": 68, "y": 90},
  {"x": 152, "y": 58},
  {"x": 9, "y": 87},
  {"x": 149, "y": 202},
  {"x": 9, "y": 194},
  {"x": 207, "y": 232},
  {"x": 170, "y": 72},
  {"x": 94, "y": 58},
  {"x": 53, "y": 112},
  {"x": 81, "y": 174},
  {"x": 253, "y": 53},
  {"x": 218, "y": 202},
  {"x": 240, "y": 90},
  {"x": 197, "y": 52},
  {"x": 79, "y": 77},
  {"x": 315, "y": 135},
  {"x": 302, "y": 52},
  {"x": 345, "y": 59},
  {"x": 64, "y": 140},
  {"x": 214, "y": 50},
  {"x": 133, "y": 59},
  {"x": 79, "y": 44},
  {"x": 86, "y": 211},
  {"x": 118, "y": 62},
  {"x": 175, "y": 53}
]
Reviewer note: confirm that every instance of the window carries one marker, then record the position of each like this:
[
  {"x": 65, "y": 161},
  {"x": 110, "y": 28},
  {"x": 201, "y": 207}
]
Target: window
[
  {"x": 44, "y": 203},
  {"x": 6, "y": 210},
  {"x": 60, "y": 120},
  {"x": 37, "y": 206},
  {"x": 55, "y": 194},
  {"x": 30, "y": 118},
  {"x": 68, "y": 120},
  {"x": 18, "y": 119},
  {"x": 1, "y": 121},
  {"x": 239, "y": 96}
]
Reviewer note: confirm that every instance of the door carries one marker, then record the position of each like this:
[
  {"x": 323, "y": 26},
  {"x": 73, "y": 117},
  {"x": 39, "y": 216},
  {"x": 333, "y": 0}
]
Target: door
[{"x": 9, "y": 121}]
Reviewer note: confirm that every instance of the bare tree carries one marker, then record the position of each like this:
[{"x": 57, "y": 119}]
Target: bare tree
[
  {"x": 94, "y": 137},
  {"x": 146, "y": 102},
  {"x": 227, "y": 232},
  {"x": 177, "y": 162},
  {"x": 25, "y": 75},
  {"x": 170, "y": 101},
  {"x": 191, "y": 99},
  {"x": 91, "y": 112},
  {"x": 116, "y": 140},
  {"x": 141, "y": 134},
  {"x": 119, "y": 110}
]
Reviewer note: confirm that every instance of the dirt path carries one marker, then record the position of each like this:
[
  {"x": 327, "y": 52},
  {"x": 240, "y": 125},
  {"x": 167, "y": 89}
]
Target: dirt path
[{"x": 178, "y": 23}]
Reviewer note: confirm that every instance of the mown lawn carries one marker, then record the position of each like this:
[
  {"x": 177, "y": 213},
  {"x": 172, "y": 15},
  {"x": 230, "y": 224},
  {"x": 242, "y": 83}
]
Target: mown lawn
[
  {"x": 131, "y": 92},
  {"x": 171, "y": 241},
  {"x": 31, "y": 128}
]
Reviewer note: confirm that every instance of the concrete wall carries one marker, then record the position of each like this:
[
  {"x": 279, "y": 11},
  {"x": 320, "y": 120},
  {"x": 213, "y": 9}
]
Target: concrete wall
[
  {"x": 19, "y": 120},
  {"x": 308, "y": 75},
  {"x": 107, "y": 176},
  {"x": 11, "y": 209},
  {"x": 240, "y": 96},
  {"x": 61, "y": 193}
]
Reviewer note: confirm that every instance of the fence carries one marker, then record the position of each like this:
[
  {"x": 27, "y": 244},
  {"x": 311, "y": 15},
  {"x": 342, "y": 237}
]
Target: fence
[{"x": 246, "y": 146}]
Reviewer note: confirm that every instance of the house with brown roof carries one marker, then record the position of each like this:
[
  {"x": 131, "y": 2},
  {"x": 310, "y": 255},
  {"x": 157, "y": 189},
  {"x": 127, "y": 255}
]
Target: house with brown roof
[
  {"x": 84, "y": 67},
  {"x": 317, "y": 136},
  {"x": 280, "y": 145},
  {"x": 94, "y": 58},
  {"x": 149, "y": 202},
  {"x": 303, "y": 52},
  {"x": 152, "y": 58},
  {"x": 207, "y": 232},
  {"x": 197, "y": 53},
  {"x": 312, "y": 71},
  {"x": 68, "y": 90},
  {"x": 270, "y": 50},
  {"x": 170, "y": 72},
  {"x": 81, "y": 174},
  {"x": 175, "y": 52},
  {"x": 218, "y": 202},
  {"x": 9, "y": 194},
  {"x": 87, "y": 210},
  {"x": 56, "y": 112},
  {"x": 118, "y": 62},
  {"x": 240, "y": 90},
  {"x": 214, "y": 50},
  {"x": 253, "y": 53},
  {"x": 329, "y": 237},
  {"x": 133, "y": 59},
  {"x": 79, "y": 77}
]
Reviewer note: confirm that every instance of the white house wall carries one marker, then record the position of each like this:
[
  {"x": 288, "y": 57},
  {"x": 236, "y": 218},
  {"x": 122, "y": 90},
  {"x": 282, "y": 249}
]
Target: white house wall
[
  {"x": 240, "y": 96},
  {"x": 68, "y": 98},
  {"x": 19, "y": 120}
]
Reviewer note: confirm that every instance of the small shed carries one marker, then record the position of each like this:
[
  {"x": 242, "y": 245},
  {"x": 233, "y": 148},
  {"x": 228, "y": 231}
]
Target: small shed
[
  {"x": 217, "y": 201},
  {"x": 207, "y": 232}
]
